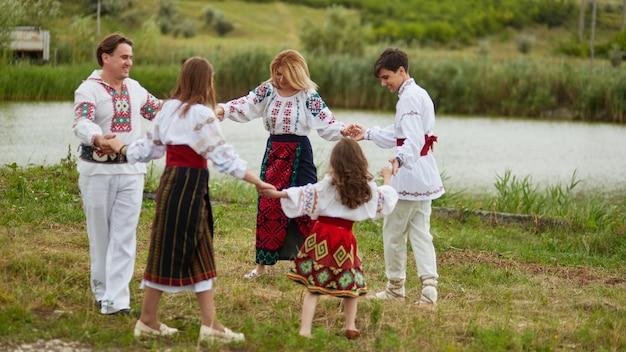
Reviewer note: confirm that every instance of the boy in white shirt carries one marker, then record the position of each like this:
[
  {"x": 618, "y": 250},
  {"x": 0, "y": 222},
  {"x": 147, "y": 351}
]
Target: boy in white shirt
[{"x": 416, "y": 178}]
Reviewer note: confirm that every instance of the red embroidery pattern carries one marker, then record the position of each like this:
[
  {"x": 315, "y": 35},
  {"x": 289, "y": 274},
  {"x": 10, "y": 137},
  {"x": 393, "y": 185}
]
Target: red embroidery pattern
[
  {"x": 323, "y": 116},
  {"x": 274, "y": 114},
  {"x": 121, "y": 121},
  {"x": 287, "y": 117},
  {"x": 121, "y": 112},
  {"x": 411, "y": 113},
  {"x": 150, "y": 108},
  {"x": 84, "y": 110},
  {"x": 420, "y": 194},
  {"x": 261, "y": 92},
  {"x": 315, "y": 104}
]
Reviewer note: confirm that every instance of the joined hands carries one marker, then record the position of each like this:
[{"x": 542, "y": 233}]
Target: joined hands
[
  {"x": 354, "y": 131},
  {"x": 108, "y": 143},
  {"x": 264, "y": 187}
]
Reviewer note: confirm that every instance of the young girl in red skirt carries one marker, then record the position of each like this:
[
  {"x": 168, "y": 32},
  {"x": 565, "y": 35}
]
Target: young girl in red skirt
[{"x": 328, "y": 262}]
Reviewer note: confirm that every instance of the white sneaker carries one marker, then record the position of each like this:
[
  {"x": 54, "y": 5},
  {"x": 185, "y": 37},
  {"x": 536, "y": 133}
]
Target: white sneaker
[
  {"x": 142, "y": 329},
  {"x": 209, "y": 334}
]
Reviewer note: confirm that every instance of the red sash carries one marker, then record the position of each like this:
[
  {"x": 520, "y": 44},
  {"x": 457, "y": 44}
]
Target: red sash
[
  {"x": 336, "y": 221},
  {"x": 428, "y": 143},
  {"x": 182, "y": 155}
]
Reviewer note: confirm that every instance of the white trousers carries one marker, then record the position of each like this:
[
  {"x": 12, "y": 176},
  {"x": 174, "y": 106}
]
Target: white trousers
[
  {"x": 412, "y": 219},
  {"x": 112, "y": 204}
]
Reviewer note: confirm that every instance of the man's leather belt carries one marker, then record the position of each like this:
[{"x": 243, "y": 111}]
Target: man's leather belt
[{"x": 94, "y": 155}]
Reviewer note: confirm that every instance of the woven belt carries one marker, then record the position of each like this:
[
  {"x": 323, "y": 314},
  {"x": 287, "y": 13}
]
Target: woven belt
[{"x": 94, "y": 155}]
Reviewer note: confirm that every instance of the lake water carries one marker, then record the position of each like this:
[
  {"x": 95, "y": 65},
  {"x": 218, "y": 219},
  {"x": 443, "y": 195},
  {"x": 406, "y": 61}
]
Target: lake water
[{"x": 471, "y": 152}]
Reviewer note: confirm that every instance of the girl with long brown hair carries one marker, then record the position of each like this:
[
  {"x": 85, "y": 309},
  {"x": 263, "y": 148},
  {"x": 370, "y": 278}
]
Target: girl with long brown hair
[
  {"x": 181, "y": 247},
  {"x": 328, "y": 263}
]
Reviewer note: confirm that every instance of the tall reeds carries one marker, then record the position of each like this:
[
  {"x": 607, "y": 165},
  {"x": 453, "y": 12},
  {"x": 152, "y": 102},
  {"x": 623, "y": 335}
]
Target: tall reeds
[{"x": 521, "y": 87}]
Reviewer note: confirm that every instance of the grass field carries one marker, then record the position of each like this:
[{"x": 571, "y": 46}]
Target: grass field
[{"x": 519, "y": 287}]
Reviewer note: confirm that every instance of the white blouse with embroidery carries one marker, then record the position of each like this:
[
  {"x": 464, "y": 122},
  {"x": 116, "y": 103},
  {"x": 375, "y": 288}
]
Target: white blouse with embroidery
[
  {"x": 199, "y": 129},
  {"x": 322, "y": 199},
  {"x": 297, "y": 114}
]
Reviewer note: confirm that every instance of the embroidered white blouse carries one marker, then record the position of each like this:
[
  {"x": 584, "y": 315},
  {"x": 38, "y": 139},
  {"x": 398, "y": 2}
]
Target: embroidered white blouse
[
  {"x": 99, "y": 109},
  {"x": 199, "y": 129},
  {"x": 322, "y": 199},
  {"x": 297, "y": 114},
  {"x": 418, "y": 178}
]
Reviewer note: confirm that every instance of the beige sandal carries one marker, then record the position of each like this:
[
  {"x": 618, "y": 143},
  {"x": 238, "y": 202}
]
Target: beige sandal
[{"x": 428, "y": 298}]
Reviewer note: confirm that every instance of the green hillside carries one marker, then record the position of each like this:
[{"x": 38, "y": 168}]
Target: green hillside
[
  {"x": 270, "y": 25},
  {"x": 453, "y": 26}
]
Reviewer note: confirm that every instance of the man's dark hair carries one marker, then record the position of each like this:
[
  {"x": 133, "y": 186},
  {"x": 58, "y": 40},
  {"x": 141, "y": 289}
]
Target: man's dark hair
[
  {"x": 109, "y": 44},
  {"x": 391, "y": 59}
]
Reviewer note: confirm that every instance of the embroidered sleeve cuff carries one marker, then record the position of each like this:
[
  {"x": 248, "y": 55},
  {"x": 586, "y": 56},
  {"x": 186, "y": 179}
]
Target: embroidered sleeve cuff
[{"x": 93, "y": 139}]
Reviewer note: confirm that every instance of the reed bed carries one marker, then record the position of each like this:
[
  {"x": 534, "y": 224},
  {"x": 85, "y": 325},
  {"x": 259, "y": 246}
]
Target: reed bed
[{"x": 521, "y": 87}]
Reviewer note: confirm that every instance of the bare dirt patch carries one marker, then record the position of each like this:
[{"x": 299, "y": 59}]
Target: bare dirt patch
[{"x": 573, "y": 275}]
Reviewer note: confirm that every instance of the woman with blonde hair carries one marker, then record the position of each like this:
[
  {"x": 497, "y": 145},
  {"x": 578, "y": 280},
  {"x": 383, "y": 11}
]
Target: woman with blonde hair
[
  {"x": 290, "y": 108},
  {"x": 181, "y": 250}
]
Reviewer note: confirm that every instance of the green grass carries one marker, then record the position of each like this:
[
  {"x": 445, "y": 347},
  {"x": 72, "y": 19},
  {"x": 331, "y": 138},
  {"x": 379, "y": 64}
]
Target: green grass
[{"x": 502, "y": 288}]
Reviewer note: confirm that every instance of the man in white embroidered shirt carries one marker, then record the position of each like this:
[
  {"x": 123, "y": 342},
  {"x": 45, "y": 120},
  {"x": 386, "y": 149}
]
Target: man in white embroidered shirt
[
  {"x": 416, "y": 178},
  {"x": 108, "y": 104}
]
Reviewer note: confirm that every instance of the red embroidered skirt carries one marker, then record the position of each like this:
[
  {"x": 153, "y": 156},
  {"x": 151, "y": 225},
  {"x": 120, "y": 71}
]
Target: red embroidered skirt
[{"x": 328, "y": 262}]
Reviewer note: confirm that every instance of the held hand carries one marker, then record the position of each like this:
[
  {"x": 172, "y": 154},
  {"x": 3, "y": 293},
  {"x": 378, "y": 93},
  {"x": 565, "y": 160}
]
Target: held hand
[
  {"x": 219, "y": 112},
  {"x": 102, "y": 142},
  {"x": 386, "y": 172},
  {"x": 349, "y": 131},
  {"x": 394, "y": 165},
  {"x": 272, "y": 193},
  {"x": 354, "y": 131},
  {"x": 263, "y": 187},
  {"x": 115, "y": 144}
]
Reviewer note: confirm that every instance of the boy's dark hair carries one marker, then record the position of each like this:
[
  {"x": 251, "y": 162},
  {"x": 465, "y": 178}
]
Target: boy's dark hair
[
  {"x": 391, "y": 59},
  {"x": 109, "y": 44}
]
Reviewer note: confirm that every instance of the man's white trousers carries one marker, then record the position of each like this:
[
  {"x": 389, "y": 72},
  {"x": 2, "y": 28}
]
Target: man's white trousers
[{"x": 112, "y": 204}]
